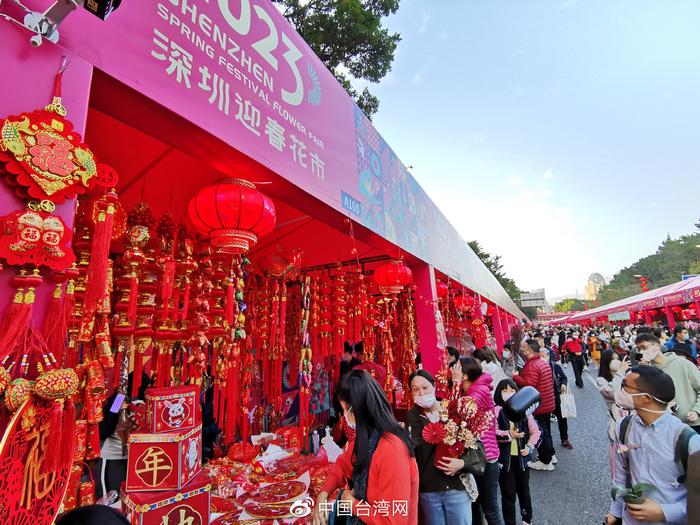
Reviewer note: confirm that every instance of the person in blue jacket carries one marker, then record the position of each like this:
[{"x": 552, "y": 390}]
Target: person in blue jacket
[{"x": 681, "y": 335}]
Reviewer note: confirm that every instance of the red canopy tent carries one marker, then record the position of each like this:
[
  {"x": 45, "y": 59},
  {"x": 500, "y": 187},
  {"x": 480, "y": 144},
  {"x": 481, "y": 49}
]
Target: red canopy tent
[{"x": 676, "y": 295}]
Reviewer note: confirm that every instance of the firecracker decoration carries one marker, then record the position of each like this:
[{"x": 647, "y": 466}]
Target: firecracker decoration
[
  {"x": 36, "y": 237},
  {"x": 305, "y": 362},
  {"x": 233, "y": 215},
  {"x": 408, "y": 341},
  {"x": 340, "y": 314}
]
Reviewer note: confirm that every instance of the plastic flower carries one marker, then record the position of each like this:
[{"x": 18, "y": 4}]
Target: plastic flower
[{"x": 434, "y": 433}]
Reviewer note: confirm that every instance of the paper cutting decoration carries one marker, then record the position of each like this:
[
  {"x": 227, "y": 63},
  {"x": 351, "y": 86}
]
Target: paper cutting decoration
[
  {"x": 44, "y": 158},
  {"x": 31, "y": 494}
]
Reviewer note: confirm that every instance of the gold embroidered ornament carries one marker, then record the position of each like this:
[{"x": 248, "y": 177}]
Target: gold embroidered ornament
[{"x": 43, "y": 157}]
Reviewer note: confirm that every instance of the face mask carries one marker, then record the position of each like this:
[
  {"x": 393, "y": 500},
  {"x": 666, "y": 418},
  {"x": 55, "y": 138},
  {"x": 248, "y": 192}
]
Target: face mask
[
  {"x": 425, "y": 401},
  {"x": 615, "y": 365},
  {"x": 506, "y": 354},
  {"x": 686, "y": 337},
  {"x": 651, "y": 353},
  {"x": 347, "y": 422},
  {"x": 507, "y": 395},
  {"x": 625, "y": 400}
]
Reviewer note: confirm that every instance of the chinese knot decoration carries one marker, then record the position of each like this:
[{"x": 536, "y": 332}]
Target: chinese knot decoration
[
  {"x": 233, "y": 215},
  {"x": 35, "y": 236},
  {"x": 44, "y": 158},
  {"x": 392, "y": 277}
]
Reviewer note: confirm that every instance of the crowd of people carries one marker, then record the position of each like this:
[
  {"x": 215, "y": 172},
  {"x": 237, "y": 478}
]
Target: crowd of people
[{"x": 647, "y": 376}]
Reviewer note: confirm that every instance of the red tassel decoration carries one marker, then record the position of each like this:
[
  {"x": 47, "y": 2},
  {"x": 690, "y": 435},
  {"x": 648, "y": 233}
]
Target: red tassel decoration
[
  {"x": 53, "y": 445},
  {"x": 283, "y": 319},
  {"x": 230, "y": 301},
  {"x": 186, "y": 300},
  {"x": 103, "y": 211},
  {"x": 133, "y": 298},
  {"x": 138, "y": 372},
  {"x": 168, "y": 288},
  {"x": 68, "y": 432},
  {"x": 16, "y": 317},
  {"x": 56, "y": 322}
]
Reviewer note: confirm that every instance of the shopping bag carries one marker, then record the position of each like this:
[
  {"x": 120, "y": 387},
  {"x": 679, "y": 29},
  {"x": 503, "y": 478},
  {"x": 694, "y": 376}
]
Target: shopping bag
[{"x": 568, "y": 404}]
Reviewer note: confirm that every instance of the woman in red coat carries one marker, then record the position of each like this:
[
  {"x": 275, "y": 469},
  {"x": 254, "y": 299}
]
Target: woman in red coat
[{"x": 379, "y": 462}]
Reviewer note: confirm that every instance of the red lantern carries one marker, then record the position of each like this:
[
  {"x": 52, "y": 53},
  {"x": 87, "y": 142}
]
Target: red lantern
[
  {"x": 233, "y": 215},
  {"x": 392, "y": 277},
  {"x": 464, "y": 302},
  {"x": 442, "y": 289}
]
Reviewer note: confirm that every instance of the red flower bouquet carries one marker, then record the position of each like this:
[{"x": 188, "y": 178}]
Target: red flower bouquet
[{"x": 461, "y": 424}]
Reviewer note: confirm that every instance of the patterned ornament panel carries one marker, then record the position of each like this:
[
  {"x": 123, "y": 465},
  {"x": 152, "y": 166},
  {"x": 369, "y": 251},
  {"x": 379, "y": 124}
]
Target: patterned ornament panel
[
  {"x": 44, "y": 158},
  {"x": 30, "y": 495}
]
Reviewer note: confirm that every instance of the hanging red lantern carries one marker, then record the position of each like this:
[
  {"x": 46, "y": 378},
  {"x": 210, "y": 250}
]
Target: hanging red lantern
[
  {"x": 392, "y": 277},
  {"x": 464, "y": 302},
  {"x": 442, "y": 289},
  {"x": 232, "y": 214}
]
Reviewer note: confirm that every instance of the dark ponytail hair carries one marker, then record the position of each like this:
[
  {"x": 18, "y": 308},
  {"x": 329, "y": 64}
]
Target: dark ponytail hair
[{"x": 372, "y": 414}]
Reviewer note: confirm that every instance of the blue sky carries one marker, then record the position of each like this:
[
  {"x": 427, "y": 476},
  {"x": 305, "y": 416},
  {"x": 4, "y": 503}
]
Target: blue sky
[{"x": 562, "y": 135}]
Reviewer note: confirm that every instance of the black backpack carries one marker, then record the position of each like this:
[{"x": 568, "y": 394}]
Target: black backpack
[{"x": 682, "y": 446}]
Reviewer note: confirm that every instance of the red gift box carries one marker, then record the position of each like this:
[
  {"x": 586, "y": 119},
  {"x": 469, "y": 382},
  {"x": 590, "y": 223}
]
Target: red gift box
[
  {"x": 189, "y": 506},
  {"x": 163, "y": 461},
  {"x": 172, "y": 408},
  {"x": 292, "y": 438}
]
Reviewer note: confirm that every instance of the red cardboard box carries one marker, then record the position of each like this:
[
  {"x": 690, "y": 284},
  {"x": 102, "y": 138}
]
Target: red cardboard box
[
  {"x": 189, "y": 506},
  {"x": 292, "y": 438},
  {"x": 163, "y": 461},
  {"x": 172, "y": 408}
]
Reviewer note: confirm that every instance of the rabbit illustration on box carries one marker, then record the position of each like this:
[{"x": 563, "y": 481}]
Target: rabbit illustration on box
[
  {"x": 192, "y": 453},
  {"x": 177, "y": 412}
]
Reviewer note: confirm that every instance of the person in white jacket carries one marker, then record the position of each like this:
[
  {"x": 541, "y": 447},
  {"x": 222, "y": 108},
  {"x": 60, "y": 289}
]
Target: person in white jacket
[
  {"x": 610, "y": 375},
  {"x": 488, "y": 359}
]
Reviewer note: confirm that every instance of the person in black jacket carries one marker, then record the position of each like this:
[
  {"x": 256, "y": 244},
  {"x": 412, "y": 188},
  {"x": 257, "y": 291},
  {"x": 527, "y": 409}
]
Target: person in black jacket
[
  {"x": 443, "y": 498},
  {"x": 516, "y": 443},
  {"x": 559, "y": 383},
  {"x": 111, "y": 469}
]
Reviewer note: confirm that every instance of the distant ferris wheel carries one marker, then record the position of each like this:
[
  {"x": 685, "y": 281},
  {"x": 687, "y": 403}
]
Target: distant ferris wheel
[{"x": 596, "y": 278}]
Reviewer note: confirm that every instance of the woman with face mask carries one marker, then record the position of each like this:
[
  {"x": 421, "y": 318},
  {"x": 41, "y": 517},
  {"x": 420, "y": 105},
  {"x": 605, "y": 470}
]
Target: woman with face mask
[
  {"x": 443, "y": 498},
  {"x": 610, "y": 375},
  {"x": 379, "y": 462}
]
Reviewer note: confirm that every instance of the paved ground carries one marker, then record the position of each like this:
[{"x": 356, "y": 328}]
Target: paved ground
[{"x": 578, "y": 491}]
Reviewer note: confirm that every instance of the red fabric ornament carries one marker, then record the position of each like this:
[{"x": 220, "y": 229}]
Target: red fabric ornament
[
  {"x": 392, "y": 277},
  {"x": 434, "y": 433},
  {"x": 36, "y": 237},
  {"x": 233, "y": 215},
  {"x": 442, "y": 289},
  {"x": 44, "y": 158}
]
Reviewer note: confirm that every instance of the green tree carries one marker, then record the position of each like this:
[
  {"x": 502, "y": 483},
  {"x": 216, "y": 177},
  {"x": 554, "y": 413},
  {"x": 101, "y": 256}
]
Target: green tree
[
  {"x": 673, "y": 258},
  {"x": 348, "y": 37},
  {"x": 571, "y": 305},
  {"x": 493, "y": 263}
]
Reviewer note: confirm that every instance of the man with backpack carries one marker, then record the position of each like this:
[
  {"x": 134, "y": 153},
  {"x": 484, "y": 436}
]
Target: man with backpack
[
  {"x": 652, "y": 448},
  {"x": 685, "y": 376}
]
